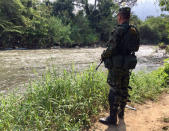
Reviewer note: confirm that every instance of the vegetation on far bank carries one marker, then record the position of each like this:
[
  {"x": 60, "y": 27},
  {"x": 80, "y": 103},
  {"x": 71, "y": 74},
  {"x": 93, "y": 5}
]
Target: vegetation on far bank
[
  {"x": 35, "y": 24},
  {"x": 71, "y": 100}
]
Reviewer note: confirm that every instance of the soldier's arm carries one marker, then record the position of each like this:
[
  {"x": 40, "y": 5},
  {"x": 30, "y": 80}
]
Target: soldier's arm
[{"x": 112, "y": 44}]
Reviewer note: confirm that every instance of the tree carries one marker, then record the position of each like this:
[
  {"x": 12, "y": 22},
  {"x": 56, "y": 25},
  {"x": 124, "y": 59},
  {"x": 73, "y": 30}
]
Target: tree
[
  {"x": 164, "y": 5},
  {"x": 64, "y": 10},
  {"x": 128, "y": 2}
]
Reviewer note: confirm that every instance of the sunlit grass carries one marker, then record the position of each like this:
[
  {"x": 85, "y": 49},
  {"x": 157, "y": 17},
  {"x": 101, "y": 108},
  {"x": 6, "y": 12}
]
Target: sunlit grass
[{"x": 71, "y": 100}]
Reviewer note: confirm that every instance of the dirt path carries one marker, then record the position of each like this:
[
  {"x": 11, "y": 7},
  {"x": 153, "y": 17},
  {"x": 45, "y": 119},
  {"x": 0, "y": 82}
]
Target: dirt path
[{"x": 151, "y": 116}]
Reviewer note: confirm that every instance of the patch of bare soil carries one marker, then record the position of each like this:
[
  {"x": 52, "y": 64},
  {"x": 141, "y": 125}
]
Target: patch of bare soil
[{"x": 151, "y": 116}]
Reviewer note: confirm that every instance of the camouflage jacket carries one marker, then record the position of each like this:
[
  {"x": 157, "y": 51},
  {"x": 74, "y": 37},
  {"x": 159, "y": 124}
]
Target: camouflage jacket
[{"x": 114, "y": 42}]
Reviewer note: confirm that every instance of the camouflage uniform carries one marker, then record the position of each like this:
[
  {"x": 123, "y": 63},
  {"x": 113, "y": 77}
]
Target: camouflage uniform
[{"x": 118, "y": 78}]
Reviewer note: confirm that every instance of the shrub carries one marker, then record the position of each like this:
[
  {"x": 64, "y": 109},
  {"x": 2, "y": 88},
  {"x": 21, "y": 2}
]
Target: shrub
[{"x": 162, "y": 45}]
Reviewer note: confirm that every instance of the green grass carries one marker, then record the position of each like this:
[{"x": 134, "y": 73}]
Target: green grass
[
  {"x": 57, "y": 102},
  {"x": 71, "y": 100},
  {"x": 149, "y": 85}
]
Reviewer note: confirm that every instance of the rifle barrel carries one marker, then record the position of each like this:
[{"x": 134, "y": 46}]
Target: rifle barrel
[{"x": 99, "y": 65}]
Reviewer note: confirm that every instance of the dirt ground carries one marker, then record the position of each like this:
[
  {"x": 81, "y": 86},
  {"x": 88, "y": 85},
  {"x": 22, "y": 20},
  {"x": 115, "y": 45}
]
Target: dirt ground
[{"x": 151, "y": 116}]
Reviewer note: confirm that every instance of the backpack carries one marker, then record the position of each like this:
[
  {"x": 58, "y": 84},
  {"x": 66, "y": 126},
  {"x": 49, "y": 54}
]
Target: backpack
[
  {"x": 131, "y": 40},
  {"x": 131, "y": 43}
]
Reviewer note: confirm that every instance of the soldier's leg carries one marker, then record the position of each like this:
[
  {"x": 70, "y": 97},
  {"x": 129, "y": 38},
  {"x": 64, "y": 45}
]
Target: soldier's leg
[
  {"x": 113, "y": 103},
  {"x": 123, "y": 102},
  {"x": 124, "y": 93},
  {"x": 113, "y": 99},
  {"x": 113, "y": 108}
]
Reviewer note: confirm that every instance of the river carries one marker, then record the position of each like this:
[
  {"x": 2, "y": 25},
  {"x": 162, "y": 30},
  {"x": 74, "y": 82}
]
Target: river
[{"x": 19, "y": 67}]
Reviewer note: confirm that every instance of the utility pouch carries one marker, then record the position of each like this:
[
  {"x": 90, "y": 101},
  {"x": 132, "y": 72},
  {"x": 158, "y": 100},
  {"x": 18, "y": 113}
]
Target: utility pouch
[{"x": 130, "y": 61}]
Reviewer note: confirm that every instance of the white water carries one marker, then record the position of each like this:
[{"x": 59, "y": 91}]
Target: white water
[{"x": 17, "y": 67}]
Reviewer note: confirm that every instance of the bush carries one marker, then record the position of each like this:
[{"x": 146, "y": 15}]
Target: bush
[
  {"x": 149, "y": 85},
  {"x": 162, "y": 45},
  {"x": 58, "y": 32}
]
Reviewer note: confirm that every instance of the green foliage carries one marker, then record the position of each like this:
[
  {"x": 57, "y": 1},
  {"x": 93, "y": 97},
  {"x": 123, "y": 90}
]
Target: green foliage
[
  {"x": 161, "y": 44},
  {"x": 164, "y": 5},
  {"x": 63, "y": 9},
  {"x": 37, "y": 24},
  {"x": 71, "y": 100},
  {"x": 149, "y": 85},
  {"x": 134, "y": 20},
  {"x": 57, "y": 102},
  {"x": 81, "y": 31},
  {"x": 167, "y": 49},
  {"x": 148, "y": 35},
  {"x": 58, "y": 32},
  {"x": 155, "y": 30},
  {"x": 101, "y": 19}
]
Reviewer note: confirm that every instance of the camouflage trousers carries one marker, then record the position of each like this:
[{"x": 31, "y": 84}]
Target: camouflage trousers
[{"x": 118, "y": 79}]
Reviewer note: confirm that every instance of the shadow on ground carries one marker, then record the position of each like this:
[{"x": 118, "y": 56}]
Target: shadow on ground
[{"x": 121, "y": 127}]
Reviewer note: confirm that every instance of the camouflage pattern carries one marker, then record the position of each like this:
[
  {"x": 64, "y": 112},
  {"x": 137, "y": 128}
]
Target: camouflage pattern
[
  {"x": 118, "y": 74},
  {"x": 118, "y": 78},
  {"x": 115, "y": 41},
  {"x": 114, "y": 44}
]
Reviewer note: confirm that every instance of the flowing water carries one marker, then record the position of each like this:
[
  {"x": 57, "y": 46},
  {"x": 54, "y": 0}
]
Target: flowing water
[{"x": 18, "y": 67}]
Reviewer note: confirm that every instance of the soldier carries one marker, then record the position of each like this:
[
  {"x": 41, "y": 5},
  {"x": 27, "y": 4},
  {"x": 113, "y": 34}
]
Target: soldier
[{"x": 119, "y": 58}]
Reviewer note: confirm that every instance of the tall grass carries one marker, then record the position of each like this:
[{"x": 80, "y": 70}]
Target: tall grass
[
  {"x": 71, "y": 100},
  {"x": 149, "y": 85},
  {"x": 57, "y": 102}
]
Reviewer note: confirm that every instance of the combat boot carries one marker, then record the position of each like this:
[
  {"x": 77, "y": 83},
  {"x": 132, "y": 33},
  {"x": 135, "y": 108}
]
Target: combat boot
[{"x": 109, "y": 120}]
